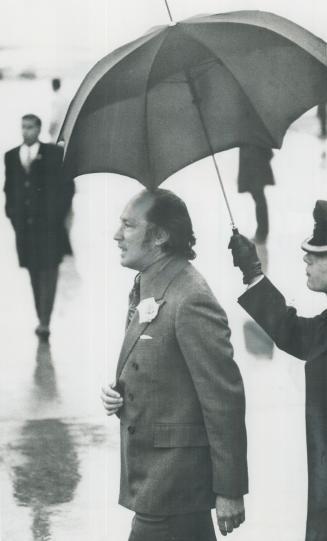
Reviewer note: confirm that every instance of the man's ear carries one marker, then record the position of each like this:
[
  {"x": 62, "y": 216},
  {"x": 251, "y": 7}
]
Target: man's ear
[{"x": 161, "y": 236}]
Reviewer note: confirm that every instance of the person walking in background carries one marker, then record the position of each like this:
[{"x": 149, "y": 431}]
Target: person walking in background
[
  {"x": 254, "y": 174},
  {"x": 179, "y": 393},
  {"x": 38, "y": 199},
  {"x": 58, "y": 110},
  {"x": 304, "y": 338}
]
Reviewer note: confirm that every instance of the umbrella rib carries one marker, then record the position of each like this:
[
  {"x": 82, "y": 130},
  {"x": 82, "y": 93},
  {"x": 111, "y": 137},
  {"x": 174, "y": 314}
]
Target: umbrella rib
[
  {"x": 150, "y": 165},
  {"x": 235, "y": 78}
]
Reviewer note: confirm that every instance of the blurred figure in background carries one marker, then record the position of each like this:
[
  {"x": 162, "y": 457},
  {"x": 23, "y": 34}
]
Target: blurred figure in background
[
  {"x": 59, "y": 106},
  {"x": 253, "y": 175},
  {"x": 37, "y": 202},
  {"x": 321, "y": 113}
]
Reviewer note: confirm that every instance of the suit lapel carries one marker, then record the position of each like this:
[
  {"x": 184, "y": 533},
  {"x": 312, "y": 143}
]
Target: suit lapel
[
  {"x": 19, "y": 164},
  {"x": 133, "y": 333},
  {"x": 159, "y": 287},
  {"x": 37, "y": 162}
]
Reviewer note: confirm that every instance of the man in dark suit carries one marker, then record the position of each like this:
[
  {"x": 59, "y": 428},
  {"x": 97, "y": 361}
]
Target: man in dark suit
[
  {"x": 304, "y": 338},
  {"x": 179, "y": 394},
  {"x": 37, "y": 201}
]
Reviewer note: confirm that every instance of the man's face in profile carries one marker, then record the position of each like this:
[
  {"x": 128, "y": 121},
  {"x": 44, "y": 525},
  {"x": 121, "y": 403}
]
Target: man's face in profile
[
  {"x": 138, "y": 247},
  {"x": 316, "y": 271},
  {"x": 30, "y": 131}
]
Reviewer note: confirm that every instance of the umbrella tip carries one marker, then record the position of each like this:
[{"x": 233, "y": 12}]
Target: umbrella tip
[{"x": 172, "y": 23}]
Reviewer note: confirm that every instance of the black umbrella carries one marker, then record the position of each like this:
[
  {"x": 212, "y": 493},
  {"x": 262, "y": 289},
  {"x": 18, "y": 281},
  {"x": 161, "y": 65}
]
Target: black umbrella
[{"x": 191, "y": 89}]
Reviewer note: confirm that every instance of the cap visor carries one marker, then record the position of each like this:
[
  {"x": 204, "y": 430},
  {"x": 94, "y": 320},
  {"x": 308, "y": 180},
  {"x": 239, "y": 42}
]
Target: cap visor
[{"x": 307, "y": 247}]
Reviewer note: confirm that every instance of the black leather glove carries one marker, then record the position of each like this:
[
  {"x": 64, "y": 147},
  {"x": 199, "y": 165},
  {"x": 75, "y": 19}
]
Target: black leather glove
[{"x": 245, "y": 257}]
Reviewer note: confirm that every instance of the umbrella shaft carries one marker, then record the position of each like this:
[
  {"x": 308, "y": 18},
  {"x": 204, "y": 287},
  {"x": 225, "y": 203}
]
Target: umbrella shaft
[
  {"x": 197, "y": 103},
  {"x": 223, "y": 191},
  {"x": 169, "y": 12}
]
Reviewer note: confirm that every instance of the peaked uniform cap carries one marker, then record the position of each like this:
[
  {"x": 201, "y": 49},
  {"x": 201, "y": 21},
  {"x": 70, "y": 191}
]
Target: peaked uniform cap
[{"x": 317, "y": 243}]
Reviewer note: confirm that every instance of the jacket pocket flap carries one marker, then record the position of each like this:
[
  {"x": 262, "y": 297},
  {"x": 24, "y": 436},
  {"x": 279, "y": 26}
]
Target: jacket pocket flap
[{"x": 180, "y": 435}]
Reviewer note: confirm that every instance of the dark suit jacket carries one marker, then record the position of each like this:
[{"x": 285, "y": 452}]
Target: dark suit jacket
[
  {"x": 37, "y": 204},
  {"x": 183, "y": 436},
  {"x": 306, "y": 339}
]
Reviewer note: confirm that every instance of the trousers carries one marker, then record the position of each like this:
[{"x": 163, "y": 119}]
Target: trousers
[
  {"x": 44, "y": 284},
  {"x": 189, "y": 527}
]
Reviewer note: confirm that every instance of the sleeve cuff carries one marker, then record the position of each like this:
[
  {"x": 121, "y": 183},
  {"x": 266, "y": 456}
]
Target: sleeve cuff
[{"x": 255, "y": 281}]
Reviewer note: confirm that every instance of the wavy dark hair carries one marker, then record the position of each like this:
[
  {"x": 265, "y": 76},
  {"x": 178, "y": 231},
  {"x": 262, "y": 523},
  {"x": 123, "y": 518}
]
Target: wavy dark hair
[
  {"x": 34, "y": 118},
  {"x": 169, "y": 212}
]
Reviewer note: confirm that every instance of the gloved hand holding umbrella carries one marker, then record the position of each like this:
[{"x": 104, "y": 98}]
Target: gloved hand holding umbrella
[{"x": 245, "y": 257}]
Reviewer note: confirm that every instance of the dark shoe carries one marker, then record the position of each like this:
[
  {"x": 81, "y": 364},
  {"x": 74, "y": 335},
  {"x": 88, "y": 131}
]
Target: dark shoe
[{"x": 43, "y": 332}]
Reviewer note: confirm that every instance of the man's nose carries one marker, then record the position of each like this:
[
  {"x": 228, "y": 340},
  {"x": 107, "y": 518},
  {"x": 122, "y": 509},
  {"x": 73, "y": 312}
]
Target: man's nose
[
  {"x": 119, "y": 234},
  {"x": 307, "y": 258}
]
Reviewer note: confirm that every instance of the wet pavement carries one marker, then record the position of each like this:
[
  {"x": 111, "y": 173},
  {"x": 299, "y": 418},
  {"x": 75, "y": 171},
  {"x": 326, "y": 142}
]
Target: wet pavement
[{"x": 59, "y": 454}]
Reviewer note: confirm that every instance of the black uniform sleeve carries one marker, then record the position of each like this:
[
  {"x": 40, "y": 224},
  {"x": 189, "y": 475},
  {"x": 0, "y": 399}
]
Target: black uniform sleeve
[{"x": 290, "y": 332}]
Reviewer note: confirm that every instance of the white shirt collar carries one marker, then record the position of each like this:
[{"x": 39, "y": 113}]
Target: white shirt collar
[{"x": 28, "y": 154}]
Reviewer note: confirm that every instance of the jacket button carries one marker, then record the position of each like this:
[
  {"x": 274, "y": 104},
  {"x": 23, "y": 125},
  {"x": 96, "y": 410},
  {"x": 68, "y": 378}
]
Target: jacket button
[
  {"x": 135, "y": 365},
  {"x": 26, "y": 184},
  {"x": 131, "y": 397},
  {"x": 131, "y": 429}
]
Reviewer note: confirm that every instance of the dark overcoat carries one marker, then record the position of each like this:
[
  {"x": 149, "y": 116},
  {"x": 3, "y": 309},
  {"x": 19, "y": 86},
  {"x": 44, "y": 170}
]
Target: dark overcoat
[
  {"x": 306, "y": 339},
  {"x": 37, "y": 204},
  {"x": 183, "y": 436},
  {"x": 255, "y": 170}
]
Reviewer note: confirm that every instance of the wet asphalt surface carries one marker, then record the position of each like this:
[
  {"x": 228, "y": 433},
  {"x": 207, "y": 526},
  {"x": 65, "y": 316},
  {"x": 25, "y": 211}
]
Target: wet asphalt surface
[{"x": 59, "y": 454}]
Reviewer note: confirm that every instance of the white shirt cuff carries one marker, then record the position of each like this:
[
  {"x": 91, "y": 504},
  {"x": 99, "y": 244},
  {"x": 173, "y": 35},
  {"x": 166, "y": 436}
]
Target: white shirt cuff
[{"x": 255, "y": 281}]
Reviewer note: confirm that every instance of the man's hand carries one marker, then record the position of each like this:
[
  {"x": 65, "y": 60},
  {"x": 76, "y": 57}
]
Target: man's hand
[
  {"x": 245, "y": 257},
  {"x": 230, "y": 513},
  {"x": 111, "y": 399}
]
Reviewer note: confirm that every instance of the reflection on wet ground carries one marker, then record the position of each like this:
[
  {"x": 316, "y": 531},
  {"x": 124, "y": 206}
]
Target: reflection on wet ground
[
  {"x": 44, "y": 374},
  {"x": 257, "y": 342},
  {"x": 45, "y": 459},
  {"x": 48, "y": 473}
]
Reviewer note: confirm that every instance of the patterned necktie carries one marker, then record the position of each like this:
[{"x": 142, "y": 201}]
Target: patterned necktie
[{"x": 134, "y": 298}]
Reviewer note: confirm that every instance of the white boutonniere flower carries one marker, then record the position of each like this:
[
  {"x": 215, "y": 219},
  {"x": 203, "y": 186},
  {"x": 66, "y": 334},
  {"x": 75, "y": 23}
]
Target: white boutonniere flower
[{"x": 148, "y": 310}]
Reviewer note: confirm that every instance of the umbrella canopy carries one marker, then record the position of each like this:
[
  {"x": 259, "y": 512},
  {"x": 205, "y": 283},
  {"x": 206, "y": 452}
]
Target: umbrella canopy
[{"x": 184, "y": 91}]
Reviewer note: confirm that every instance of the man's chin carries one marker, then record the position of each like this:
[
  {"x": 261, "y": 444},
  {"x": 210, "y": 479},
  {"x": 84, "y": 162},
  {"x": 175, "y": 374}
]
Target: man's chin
[
  {"x": 312, "y": 287},
  {"x": 309, "y": 285},
  {"x": 124, "y": 261}
]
